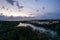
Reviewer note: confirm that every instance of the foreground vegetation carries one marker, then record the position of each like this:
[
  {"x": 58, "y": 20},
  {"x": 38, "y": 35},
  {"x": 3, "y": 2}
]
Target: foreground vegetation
[
  {"x": 8, "y": 31},
  {"x": 22, "y": 33}
]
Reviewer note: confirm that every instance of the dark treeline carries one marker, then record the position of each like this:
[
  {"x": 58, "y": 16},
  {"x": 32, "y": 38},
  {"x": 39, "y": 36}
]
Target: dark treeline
[
  {"x": 23, "y": 33},
  {"x": 10, "y": 31},
  {"x": 9, "y": 23}
]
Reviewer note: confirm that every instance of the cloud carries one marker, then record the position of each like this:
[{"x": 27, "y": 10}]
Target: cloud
[
  {"x": 43, "y": 8},
  {"x": 7, "y": 9},
  {"x": 37, "y": 0},
  {"x": 55, "y": 15},
  {"x": 17, "y": 4},
  {"x": 37, "y": 10},
  {"x": 3, "y": 7},
  {"x": 10, "y": 1}
]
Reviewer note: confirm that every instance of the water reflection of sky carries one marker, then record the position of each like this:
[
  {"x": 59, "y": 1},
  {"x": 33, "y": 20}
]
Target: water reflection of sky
[{"x": 34, "y": 8}]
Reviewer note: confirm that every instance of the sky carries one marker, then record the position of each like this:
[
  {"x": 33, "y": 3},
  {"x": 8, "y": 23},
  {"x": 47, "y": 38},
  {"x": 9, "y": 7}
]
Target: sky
[{"x": 31, "y": 8}]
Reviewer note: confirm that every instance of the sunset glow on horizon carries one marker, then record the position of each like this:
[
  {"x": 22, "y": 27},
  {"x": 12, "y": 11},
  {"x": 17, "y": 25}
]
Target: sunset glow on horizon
[
  {"x": 30, "y": 8},
  {"x": 16, "y": 13}
]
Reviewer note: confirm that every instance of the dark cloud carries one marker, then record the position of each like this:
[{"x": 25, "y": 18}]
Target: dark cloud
[
  {"x": 10, "y": 1},
  {"x": 7, "y": 9},
  {"x": 43, "y": 8},
  {"x": 3, "y": 7},
  {"x": 37, "y": 0},
  {"x": 37, "y": 10},
  {"x": 18, "y": 5}
]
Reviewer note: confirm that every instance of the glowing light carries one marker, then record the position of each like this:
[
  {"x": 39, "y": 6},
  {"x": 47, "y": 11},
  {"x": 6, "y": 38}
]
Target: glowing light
[{"x": 15, "y": 13}]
